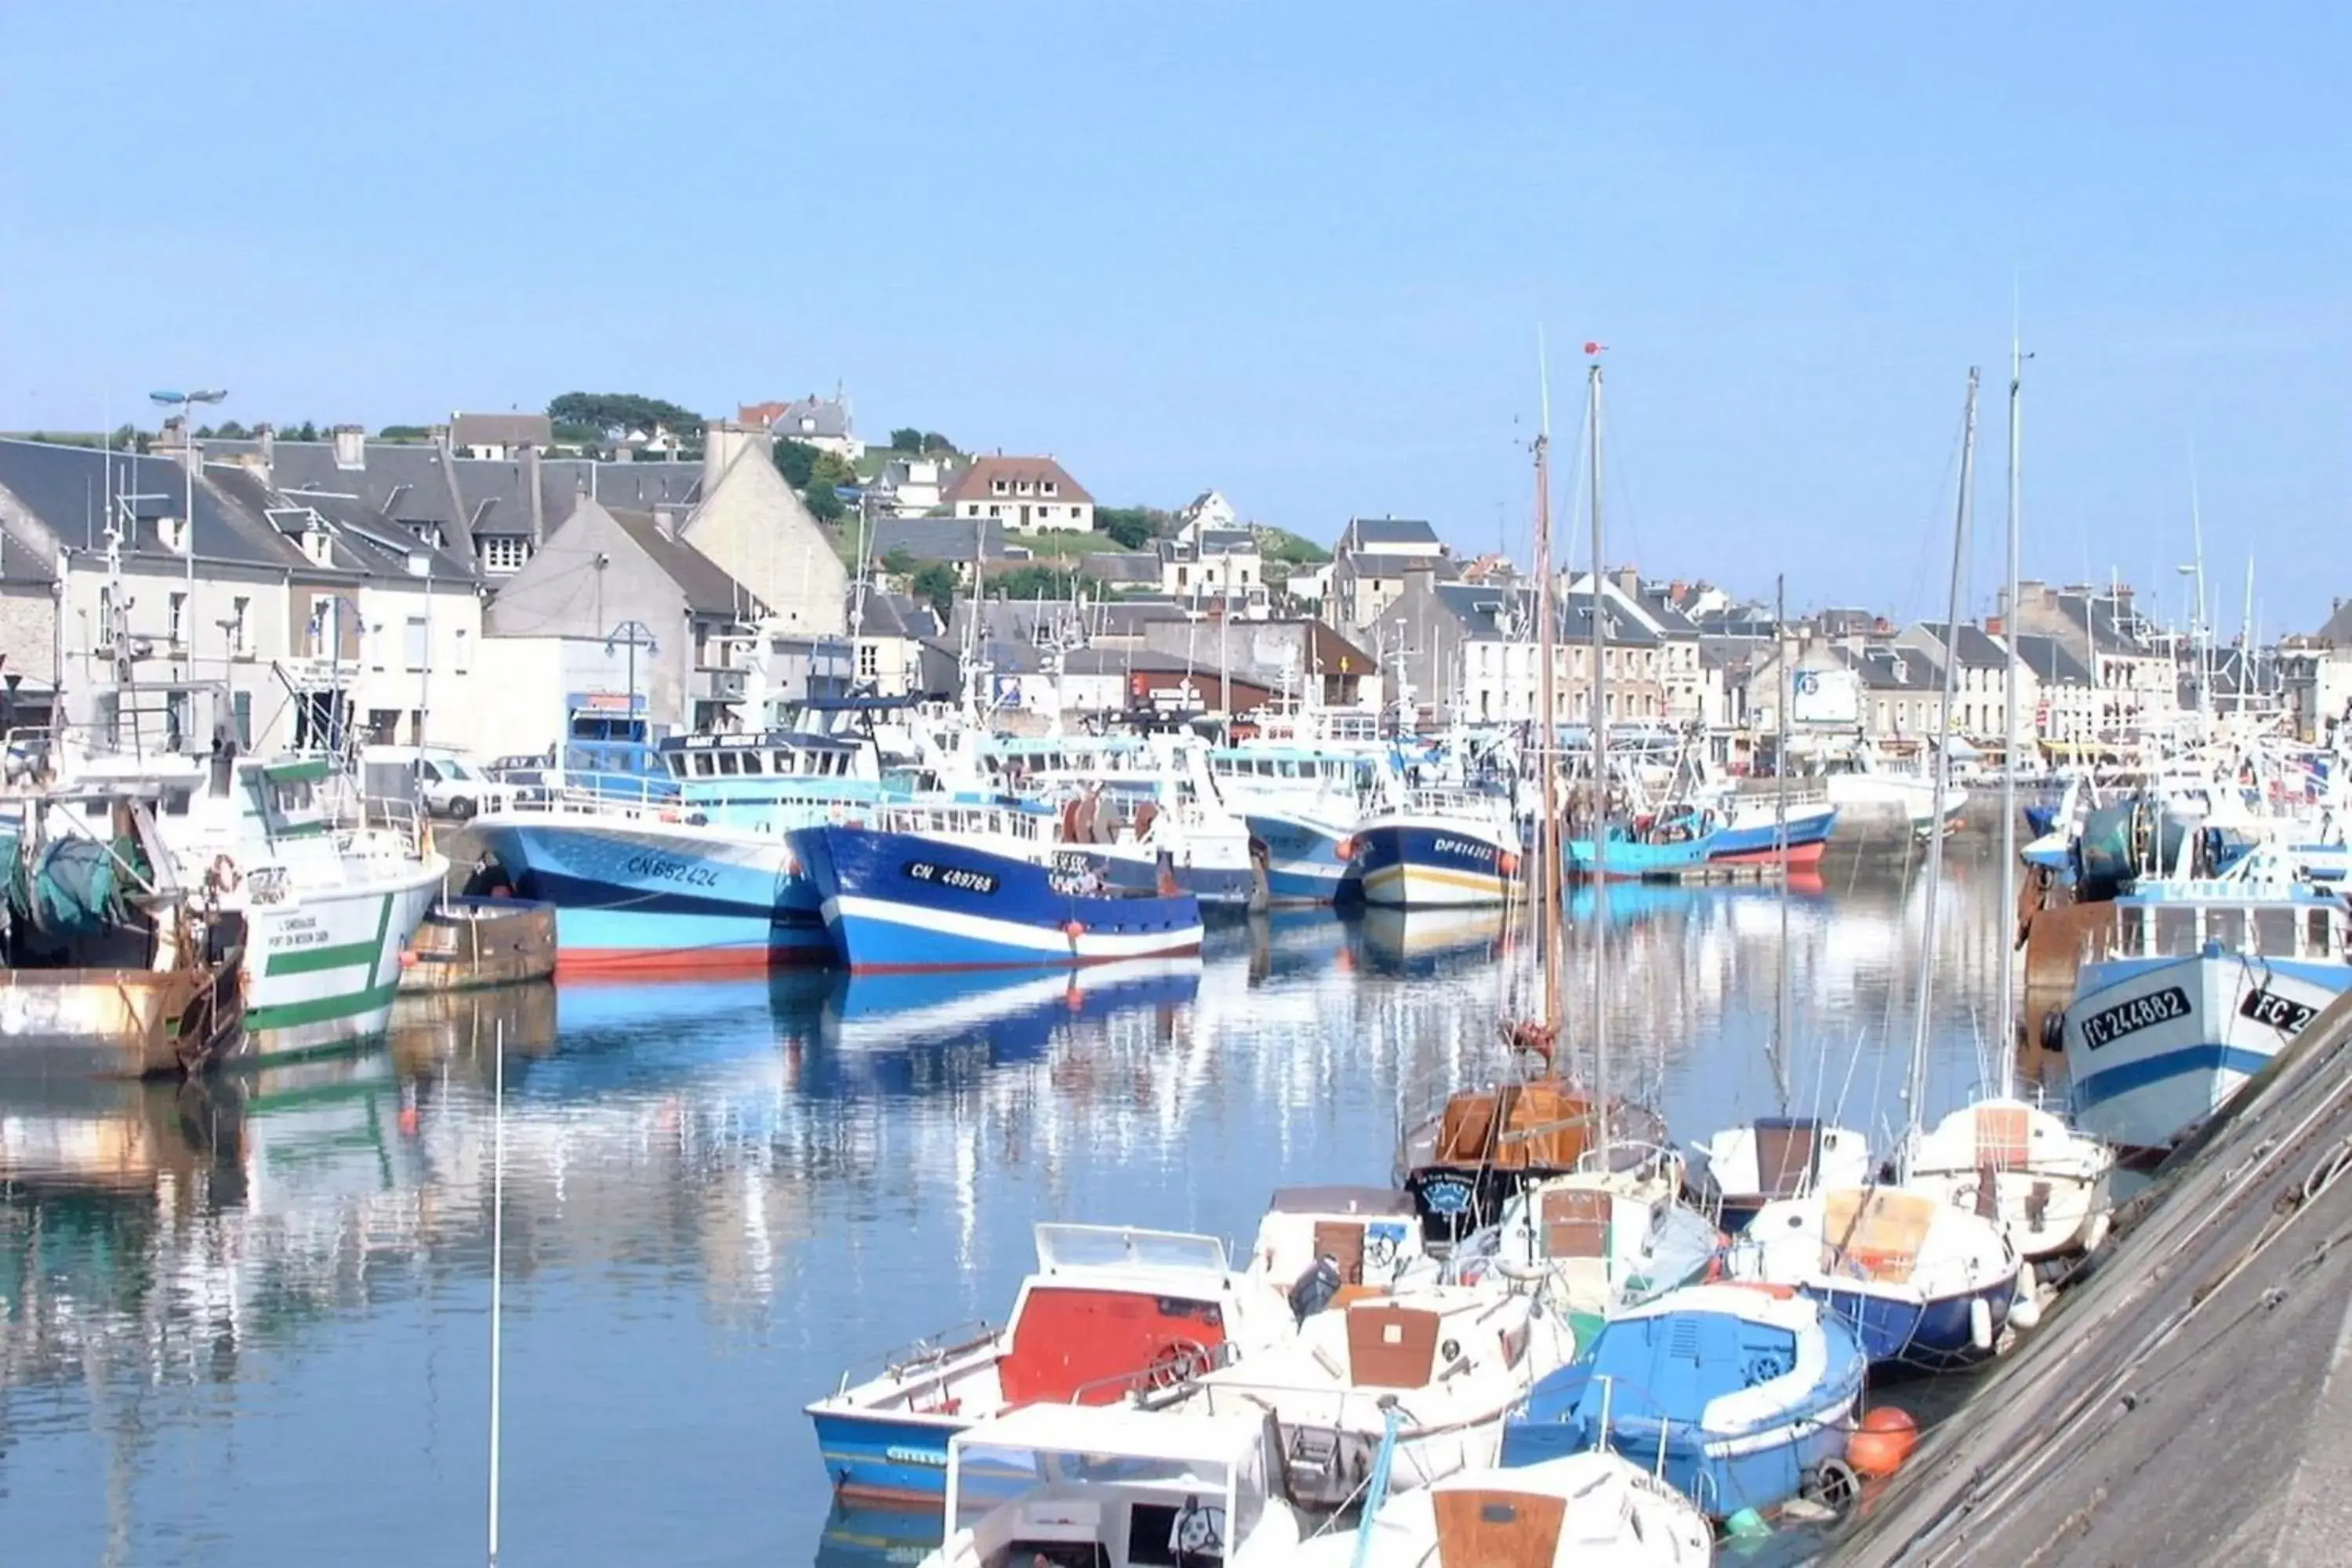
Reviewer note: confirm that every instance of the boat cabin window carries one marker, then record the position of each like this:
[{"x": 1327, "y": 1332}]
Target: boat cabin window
[
  {"x": 751, "y": 762},
  {"x": 728, "y": 764},
  {"x": 780, "y": 762}
]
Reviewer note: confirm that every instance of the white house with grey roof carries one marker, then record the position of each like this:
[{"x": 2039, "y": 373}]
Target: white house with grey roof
[
  {"x": 1370, "y": 563},
  {"x": 316, "y": 614},
  {"x": 1474, "y": 646},
  {"x": 1980, "y": 694},
  {"x": 1024, "y": 495}
]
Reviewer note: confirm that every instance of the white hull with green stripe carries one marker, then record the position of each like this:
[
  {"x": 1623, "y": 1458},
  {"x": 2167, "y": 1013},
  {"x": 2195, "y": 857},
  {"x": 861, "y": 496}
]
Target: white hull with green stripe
[{"x": 323, "y": 967}]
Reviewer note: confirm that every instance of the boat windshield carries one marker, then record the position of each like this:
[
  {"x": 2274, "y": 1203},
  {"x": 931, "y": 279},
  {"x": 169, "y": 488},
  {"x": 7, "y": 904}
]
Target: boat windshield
[
  {"x": 988, "y": 1474},
  {"x": 1109, "y": 1247}
]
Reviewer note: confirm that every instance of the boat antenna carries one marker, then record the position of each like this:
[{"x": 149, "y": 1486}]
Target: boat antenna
[{"x": 1941, "y": 762}]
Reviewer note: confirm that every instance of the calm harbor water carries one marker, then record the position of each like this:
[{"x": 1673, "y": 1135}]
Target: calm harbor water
[{"x": 246, "y": 1321}]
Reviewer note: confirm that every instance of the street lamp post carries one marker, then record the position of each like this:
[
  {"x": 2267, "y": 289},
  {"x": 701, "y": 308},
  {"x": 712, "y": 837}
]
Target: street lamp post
[
  {"x": 633, "y": 635},
  {"x": 185, "y": 402}
]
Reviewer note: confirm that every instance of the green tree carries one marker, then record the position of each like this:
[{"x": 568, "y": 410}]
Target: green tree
[
  {"x": 403, "y": 433},
  {"x": 1130, "y": 526},
  {"x": 934, "y": 442},
  {"x": 899, "y": 564},
  {"x": 825, "y": 502},
  {"x": 907, "y": 439},
  {"x": 796, "y": 460},
  {"x": 597, "y": 411},
  {"x": 233, "y": 431},
  {"x": 306, "y": 431},
  {"x": 935, "y": 584},
  {"x": 1032, "y": 581}
]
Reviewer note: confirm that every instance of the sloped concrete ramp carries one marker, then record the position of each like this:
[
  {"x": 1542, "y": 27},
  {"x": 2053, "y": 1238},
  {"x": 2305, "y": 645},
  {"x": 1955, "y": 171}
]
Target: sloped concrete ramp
[{"x": 2191, "y": 1402}]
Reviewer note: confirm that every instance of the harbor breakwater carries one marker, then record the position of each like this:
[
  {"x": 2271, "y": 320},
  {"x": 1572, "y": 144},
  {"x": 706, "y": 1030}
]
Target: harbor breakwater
[{"x": 2186, "y": 1403}]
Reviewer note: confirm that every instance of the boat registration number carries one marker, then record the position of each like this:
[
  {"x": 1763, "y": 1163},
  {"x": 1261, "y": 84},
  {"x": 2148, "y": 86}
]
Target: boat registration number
[
  {"x": 954, "y": 877},
  {"x": 2112, "y": 1024},
  {"x": 2283, "y": 1013}
]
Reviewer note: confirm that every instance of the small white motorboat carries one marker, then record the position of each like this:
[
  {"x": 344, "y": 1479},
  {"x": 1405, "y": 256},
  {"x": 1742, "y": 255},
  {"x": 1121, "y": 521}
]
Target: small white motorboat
[{"x": 1586, "y": 1510}]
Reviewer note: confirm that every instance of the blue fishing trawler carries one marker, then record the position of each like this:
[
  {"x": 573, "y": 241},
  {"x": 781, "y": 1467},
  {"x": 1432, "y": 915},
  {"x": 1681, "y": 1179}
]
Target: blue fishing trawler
[
  {"x": 968, "y": 885},
  {"x": 1626, "y": 855}
]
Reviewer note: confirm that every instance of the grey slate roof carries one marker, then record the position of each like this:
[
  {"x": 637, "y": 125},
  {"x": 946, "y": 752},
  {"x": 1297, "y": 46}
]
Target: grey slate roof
[
  {"x": 2050, "y": 661},
  {"x": 1358, "y": 564},
  {"x": 940, "y": 538},
  {"x": 501, "y": 430},
  {"x": 896, "y": 616},
  {"x": 1370, "y": 535},
  {"x": 811, "y": 417},
  {"x": 1976, "y": 651},
  {"x": 2337, "y": 631},
  {"x": 1885, "y": 667},
  {"x": 2111, "y": 623},
  {"x": 362, "y": 540},
  {"x": 64, "y": 487},
  {"x": 1116, "y": 567},
  {"x": 1487, "y": 611},
  {"x": 709, "y": 590}
]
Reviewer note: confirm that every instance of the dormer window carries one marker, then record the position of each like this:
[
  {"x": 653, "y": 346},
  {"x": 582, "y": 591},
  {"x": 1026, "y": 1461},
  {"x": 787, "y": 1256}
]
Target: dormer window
[
  {"x": 1021, "y": 487},
  {"x": 1048, "y": 487},
  {"x": 999, "y": 488},
  {"x": 174, "y": 533},
  {"x": 319, "y": 546}
]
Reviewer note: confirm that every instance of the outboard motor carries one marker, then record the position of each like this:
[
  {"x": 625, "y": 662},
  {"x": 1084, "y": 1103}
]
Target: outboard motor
[{"x": 1315, "y": 1288}]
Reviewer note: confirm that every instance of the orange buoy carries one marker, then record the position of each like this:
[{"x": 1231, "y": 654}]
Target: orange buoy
[
  {"x": 1075, "y": 930},
  {"x": 409, "y": 1121},
  {"x": 1883, "y": 1442},
  {"x": 1345, "y": 849},
  {"x": 1510, "y": 863}
]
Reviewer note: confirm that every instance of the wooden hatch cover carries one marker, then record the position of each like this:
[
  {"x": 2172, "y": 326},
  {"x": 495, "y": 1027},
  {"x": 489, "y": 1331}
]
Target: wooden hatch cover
[
  {"x": 1493, "y": 1529},
  {"x": 1575, "y": 1223},
  {"x": 2004, "y": 1136},
  {"x": 1546, "y": 1128},
  {"x": 1342, "y": 1241},
  {"x": 1466, "y": 1135},
  {"x": 1786, "y": 1157},
  {"x": 1390, "y": 1346},
  {"x": 1877, "y": 1231}
]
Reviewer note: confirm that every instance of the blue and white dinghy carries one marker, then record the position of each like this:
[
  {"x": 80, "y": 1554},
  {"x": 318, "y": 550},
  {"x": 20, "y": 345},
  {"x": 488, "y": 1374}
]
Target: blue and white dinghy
[{"x": 1737, "y": 1396}]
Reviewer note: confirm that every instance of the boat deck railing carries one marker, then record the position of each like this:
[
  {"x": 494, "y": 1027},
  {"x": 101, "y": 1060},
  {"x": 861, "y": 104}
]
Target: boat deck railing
[{"x": 921, "y": 1358}]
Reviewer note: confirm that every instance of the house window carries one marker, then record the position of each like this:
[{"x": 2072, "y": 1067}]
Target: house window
[
  {"x": 998, "y": 486},
  {"x": 425, "y": 532},
  {"x": 995, "y": 510},
  {"x": 1048, "y": 487},
  {"x": 869, "y": 660},
  {"x": 418, "y": 650},
  {"x": 240, "y": 628},
  {"x": 505, "y": 553},
  {"x": 175, "y": 620}
]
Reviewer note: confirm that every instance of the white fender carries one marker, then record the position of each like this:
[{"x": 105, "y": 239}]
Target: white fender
[
  {"x": 2025, "y": 1313},
  {"x": 1980, "y": 1323}
]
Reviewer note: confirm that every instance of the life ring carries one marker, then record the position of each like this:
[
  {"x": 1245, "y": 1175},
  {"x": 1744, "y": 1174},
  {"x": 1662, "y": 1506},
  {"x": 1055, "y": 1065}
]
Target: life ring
[{"x": 225, "y": 876}]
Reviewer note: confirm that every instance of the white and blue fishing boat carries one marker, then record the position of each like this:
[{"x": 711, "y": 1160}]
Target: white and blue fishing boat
[
  {"x": 1626, "y": 854},
  {"x": 2207, "y": 979},
  {"x": 958, "y": 886},
  {"x": 692, "y": 872},
  {"x": 1736, "y": 1398},
  {"x": 1135, "y": 804},
  {"x": 1302, "y": 805},
  {"x": 1441, "y": 848},
  {"x": 1108, "y": 1312}
]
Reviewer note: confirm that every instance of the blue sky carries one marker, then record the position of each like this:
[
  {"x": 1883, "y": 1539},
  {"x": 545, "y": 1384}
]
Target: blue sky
[{"x": 1296, "y": 252}]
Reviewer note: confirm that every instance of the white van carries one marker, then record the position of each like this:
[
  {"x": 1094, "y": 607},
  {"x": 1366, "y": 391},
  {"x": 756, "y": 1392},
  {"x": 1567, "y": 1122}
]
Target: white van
[{"x": 450, "y": 782}]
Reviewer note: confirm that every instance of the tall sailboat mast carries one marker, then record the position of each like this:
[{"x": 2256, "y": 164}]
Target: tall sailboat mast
[
  {"x": 1599, "y": 824},
  {"x": 1780, "y": 1053},
  {"x": 1549, "y": 867},
  {"x": 1916, "y": 1087},
  {"x": 2005, "y": 991}
]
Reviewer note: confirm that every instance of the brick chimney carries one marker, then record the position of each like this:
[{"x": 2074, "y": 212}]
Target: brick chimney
[{"x": 1992, "y": 626}]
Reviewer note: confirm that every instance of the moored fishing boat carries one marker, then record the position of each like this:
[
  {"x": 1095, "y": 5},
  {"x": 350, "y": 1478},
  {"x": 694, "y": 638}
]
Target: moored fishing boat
[
  {"x": 2206, "y": 981},
  {"x": 1631, "y": 855},
  {"x": 1752, "y": 830},
  {"x": 978, "y": 887},
  {"x": 1440, "y": 848},
  {"x": 1736, "y": 1398},
  {"x": 1108, "y": 1312}
]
